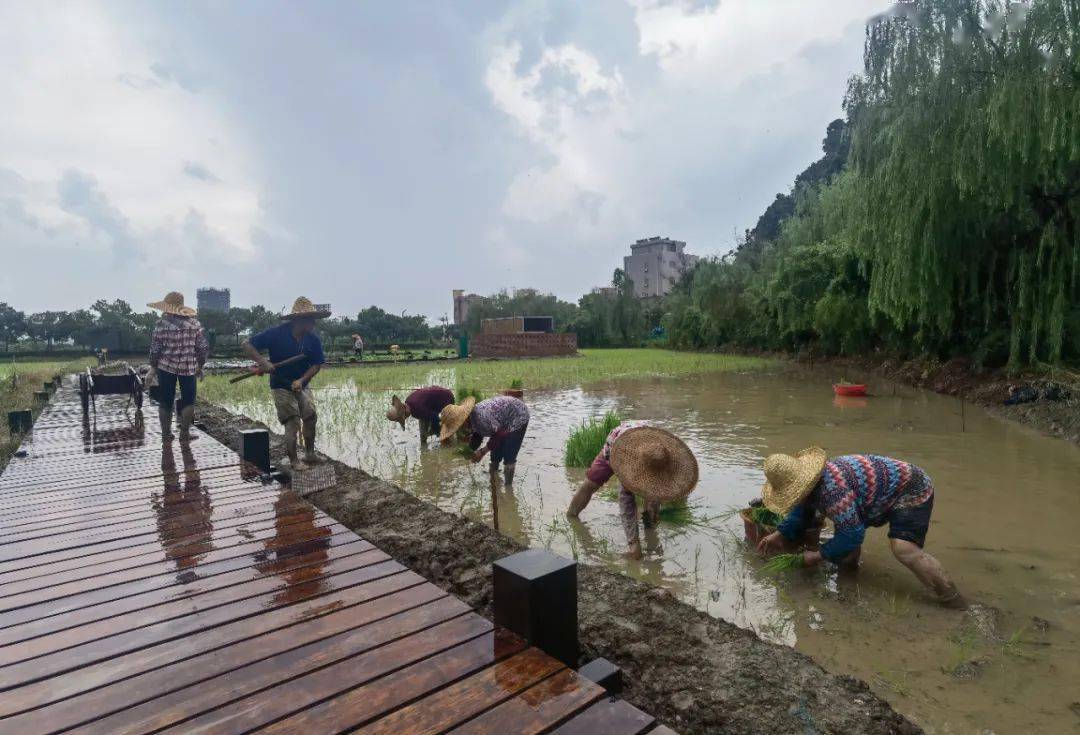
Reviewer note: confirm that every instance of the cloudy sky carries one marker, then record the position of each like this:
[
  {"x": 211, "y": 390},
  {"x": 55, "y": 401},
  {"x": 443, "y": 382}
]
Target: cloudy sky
[{"x": 386, "y": 152}]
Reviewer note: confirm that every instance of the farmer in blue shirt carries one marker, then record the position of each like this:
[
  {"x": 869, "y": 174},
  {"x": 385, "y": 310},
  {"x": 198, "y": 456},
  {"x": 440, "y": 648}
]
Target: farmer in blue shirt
[{"x": 289, "y": 383}]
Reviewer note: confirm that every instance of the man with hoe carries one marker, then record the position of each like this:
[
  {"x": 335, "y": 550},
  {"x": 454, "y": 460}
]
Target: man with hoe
[
  {"x": 178, "y": 351},
  {"x": 424, "y": 404},
  {"x": 649, "y": 462},
  {"x": 855, "y": 491},
  {"x": 294, "y": 338}
]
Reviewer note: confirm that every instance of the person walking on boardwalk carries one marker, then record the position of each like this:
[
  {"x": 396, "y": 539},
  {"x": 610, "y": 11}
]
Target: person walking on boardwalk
[
  {"x": 649, "y": 462},
  {"x": 290, "y": 383},
  {"x": 502, "y": 419},
  {"x": 178, "y": 351},
  {"x": 424, "y": 404},
  {"x": 855, "y": 491}
]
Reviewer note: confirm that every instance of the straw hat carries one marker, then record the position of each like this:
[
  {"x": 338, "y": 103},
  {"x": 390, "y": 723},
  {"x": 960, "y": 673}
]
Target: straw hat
[
  {"x": 453, "y": 417},
  {"x": 655, "y": 464},
  {"x": 789, "y": 479},
  {"x": 303, "y": 307},
  {"x": 398, "y": 411},
  {"x": 173, "y": 303}
]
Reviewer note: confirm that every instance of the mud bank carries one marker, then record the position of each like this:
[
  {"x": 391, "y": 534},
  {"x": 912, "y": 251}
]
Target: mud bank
[
  {"x": 696, "y": 673},
  {"x": 986, "y": 388}
]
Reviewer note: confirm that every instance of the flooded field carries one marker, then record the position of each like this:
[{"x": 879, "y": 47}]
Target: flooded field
[{"x": 1004, "y": 527}]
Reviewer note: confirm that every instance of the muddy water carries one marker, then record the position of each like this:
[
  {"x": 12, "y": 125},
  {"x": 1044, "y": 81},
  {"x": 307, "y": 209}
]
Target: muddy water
[{"x": 1004, "y": 526}]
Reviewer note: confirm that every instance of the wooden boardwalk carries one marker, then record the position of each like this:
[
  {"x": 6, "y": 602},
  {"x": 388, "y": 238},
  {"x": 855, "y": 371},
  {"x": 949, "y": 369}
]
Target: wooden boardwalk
[{"x": 148, "y": 589}]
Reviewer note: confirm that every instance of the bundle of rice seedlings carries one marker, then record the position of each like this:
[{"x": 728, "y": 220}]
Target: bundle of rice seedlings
[
  {"x": 587, "y": 441},
  {"x": 517, "y": 384},
  {"x": 461, "y": 393},
  {"x": 764, "y": 516},
  {"x": 782, "y": 563}
]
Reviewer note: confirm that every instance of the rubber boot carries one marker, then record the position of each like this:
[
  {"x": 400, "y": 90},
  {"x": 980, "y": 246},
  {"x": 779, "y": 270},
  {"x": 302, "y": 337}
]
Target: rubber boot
[
  {"x": 508, "y": 475},
  {"x": 187, "y": 418},
  {"x": 309, "y": 443},
  {"x": 292, "y": 429},
  {"x": 165, "y": 416}
]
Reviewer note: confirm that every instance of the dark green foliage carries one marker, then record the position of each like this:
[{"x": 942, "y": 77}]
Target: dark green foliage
[{"x": 956, "y": 219}]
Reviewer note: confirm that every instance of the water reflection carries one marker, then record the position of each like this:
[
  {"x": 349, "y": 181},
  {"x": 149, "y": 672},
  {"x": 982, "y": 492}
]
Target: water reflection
[
  {"x": 297, "y": 552},
  {"x": 183, "y": 508}
]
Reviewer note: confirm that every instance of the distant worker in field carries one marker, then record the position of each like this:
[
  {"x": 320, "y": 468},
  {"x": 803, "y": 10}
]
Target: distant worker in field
[
  {"x": 855, "y": 491},
  {"x": 425, "y": 405},
  {"x": 358, "y": 346},
  {"x": 178, "y": 351},
  {"x": 649, "y": 462},
  {"x": 290, "y": 383},
  {"x": 502, "y": 420}
]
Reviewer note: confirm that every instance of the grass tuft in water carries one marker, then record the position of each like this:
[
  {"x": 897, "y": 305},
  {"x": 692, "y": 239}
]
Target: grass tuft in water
[
  {"x": 782, "y": 563},
  {"x": 587, "y": 441}
]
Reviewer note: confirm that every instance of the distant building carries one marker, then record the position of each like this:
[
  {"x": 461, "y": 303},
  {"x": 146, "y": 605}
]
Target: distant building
[
  {"x": 655, "y": 265},
  {"x": 609, "y": 292},
  {"x": 463, "y": 302},
  {"x": 213, "y": 299},
  {"x": 323, "y": 307}
]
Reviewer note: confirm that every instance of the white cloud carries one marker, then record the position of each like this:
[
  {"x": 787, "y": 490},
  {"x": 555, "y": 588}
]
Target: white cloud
[{"x": 97, "y": 133}]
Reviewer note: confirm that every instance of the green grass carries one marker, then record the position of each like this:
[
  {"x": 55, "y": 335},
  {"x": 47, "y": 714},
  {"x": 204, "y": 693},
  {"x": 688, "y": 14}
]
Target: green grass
[
  {"x": 587, "y": 440},
  {"x": 44, "y": 367},
  {"x": 492, "y": 376}
]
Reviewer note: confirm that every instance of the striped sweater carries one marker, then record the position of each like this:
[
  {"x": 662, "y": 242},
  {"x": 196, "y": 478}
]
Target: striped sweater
[{"x": 856, "y": 491}]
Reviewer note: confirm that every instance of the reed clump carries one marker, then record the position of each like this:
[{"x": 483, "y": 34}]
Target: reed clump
[{"x": 587, "y": 440}]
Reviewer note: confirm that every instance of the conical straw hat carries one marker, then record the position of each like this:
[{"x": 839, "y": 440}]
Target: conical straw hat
[
  {"x": 655, "y": 464},
  {"x": 397, "y": 411},
  {"x": 303, "y": 307},
  {"x": 173, "y": 303},
  {"x": 453, "y": 417},
  {"x": 789, "y": 479}
]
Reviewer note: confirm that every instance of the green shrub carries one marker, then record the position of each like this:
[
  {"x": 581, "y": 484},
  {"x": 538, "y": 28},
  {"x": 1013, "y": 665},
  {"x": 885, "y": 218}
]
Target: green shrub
[{"x": 587, "y": 441}]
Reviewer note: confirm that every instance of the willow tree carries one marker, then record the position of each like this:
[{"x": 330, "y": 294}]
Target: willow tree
[{"x": 967, "y": 146}]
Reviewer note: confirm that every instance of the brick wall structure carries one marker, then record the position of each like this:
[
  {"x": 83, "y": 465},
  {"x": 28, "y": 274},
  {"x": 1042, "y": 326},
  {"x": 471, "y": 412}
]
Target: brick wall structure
[{"x": 523, "y": 344}]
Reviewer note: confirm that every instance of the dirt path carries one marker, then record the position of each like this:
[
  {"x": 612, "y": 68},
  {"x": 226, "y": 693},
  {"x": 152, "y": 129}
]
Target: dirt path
[{"x": 696, "y": 673}]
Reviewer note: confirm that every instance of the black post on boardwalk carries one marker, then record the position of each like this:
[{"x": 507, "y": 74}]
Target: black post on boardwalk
[
  {"x": 20, "y": 422},
  {"x": 535, "y": 596},
  {"x": 255, "y": 448}
]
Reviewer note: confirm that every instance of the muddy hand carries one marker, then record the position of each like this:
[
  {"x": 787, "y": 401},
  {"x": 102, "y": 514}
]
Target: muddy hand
[{"x": 771, "y": 544}]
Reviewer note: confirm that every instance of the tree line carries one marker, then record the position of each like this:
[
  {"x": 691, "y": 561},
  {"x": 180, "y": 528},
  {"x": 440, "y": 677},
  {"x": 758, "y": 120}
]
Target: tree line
[
  {"x": 116, "y": 326},
  {"x": 943, "y": 217}
]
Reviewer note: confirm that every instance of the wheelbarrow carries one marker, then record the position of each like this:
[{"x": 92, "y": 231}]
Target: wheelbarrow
[{"x": 127, "y": 383}]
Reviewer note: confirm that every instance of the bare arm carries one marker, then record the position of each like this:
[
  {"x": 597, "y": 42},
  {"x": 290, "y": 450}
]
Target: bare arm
[
  {"x": 310, "y": 373},
  {"x": 264, "y": 365}
]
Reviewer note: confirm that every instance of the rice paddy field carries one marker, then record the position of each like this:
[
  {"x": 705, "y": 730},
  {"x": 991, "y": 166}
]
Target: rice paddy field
[{"x": 1002, "y": 673}]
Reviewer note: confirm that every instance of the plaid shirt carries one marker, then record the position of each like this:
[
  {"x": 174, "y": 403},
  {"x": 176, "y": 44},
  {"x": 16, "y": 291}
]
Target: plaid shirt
[{"x": 179, "y": 345}]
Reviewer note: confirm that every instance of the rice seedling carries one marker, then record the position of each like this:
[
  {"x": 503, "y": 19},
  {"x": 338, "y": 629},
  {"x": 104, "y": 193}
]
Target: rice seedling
[
  {"x": 782, "y": 563},
  {"x": 461, "y": 393},
  {"x": 762, "y": 515},
  {"x": 587, "y": 441},
  {"x": 517, "y": 384}
]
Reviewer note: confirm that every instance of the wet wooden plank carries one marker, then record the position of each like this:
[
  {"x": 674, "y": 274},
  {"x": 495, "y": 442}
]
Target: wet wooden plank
[
  {"x": 19, "y": 594},
  {"x": 376, "y": 699},
  {"x": 242, "y": 530},
  {"x": 536, "y": 709},
  {"x": 245, "y": 699},
  {"x": 146, "y": 564},
  {"x": 306, "y": 576},
  {"x": 232, "y": 645},
  {"x": 190, "y": 524},
  {"x": 149, "y": 505},
  {"x": 107, "y": 601},
  {"x": 165, "y": 510},
  {"x": 608, "y": 717}
]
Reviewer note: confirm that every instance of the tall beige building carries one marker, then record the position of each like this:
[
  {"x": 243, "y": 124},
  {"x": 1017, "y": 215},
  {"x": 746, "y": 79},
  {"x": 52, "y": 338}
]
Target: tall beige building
[{"x": 655, "y": 265}]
